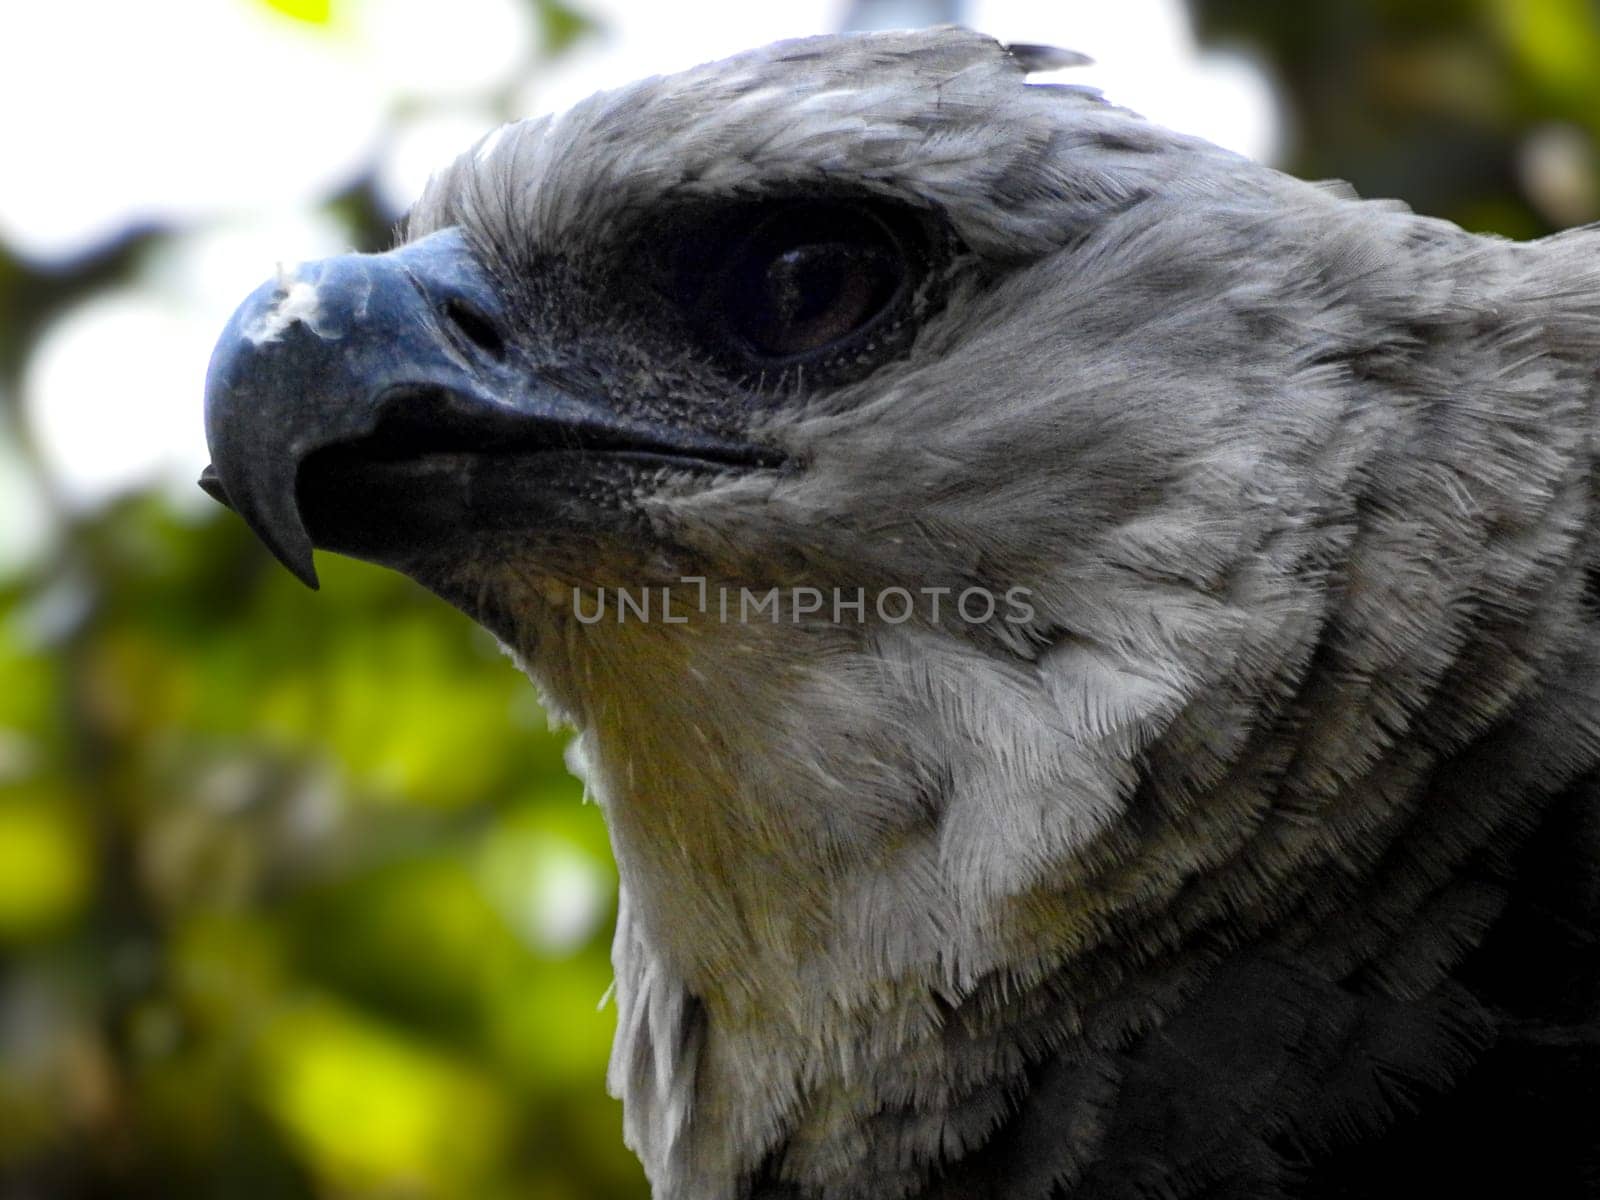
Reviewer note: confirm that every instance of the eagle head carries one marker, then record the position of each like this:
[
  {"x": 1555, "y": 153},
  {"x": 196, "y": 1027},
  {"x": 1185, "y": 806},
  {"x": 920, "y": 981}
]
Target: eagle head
[{"x": 1007, "y": 564}]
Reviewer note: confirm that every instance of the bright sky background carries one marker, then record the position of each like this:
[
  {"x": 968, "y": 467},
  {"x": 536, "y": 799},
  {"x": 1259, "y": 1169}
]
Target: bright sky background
[{"x": 232, "y": 120}]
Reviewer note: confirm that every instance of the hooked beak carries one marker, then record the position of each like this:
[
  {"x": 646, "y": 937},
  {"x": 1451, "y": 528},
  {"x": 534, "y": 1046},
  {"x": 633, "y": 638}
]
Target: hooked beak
[{"x": 375, "y": 404}]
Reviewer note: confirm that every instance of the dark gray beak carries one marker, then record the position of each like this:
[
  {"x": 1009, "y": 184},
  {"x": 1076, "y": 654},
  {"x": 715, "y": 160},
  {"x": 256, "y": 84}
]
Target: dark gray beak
[{"x": 378, "y": 405}]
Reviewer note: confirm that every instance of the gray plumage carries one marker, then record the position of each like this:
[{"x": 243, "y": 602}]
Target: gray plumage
[{"x": 1261, "y": 860}]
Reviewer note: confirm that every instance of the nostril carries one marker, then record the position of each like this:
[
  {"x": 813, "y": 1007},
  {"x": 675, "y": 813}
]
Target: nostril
[{"x": 474, "y": 326}]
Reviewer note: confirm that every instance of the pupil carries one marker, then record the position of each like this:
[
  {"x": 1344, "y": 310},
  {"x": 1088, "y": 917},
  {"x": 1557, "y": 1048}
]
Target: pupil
[{"x": 804, "y": 283}]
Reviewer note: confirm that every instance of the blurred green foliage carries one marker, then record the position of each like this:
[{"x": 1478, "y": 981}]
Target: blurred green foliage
[
  {"x": 296, "y": 898},
  {"x": 275, "y": 891},
  {"x": 1486, "y": 112}
]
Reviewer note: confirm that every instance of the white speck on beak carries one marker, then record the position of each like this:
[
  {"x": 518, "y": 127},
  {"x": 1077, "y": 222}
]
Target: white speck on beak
[{"x": 297, "y": 302}]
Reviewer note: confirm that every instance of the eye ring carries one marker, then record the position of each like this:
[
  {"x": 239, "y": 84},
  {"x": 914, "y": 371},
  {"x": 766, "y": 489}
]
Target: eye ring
[{"x": 808, "y": 281}]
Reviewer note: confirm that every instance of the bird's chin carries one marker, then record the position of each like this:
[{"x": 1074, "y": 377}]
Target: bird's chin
[{"x": 424, "y": 514}]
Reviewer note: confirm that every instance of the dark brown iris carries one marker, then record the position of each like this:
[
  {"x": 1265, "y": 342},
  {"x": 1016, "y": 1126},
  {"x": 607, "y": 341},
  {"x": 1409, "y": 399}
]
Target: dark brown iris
[{"x": 810, "y": 276}]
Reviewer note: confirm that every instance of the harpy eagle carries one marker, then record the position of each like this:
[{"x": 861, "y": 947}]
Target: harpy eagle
[{"x": 1247, "y": 846}]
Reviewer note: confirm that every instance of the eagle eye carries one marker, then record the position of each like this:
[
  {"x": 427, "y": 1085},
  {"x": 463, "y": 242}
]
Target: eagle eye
[
  {"x": 808, "y": 278},
  {"x": 832, "y": 288}
]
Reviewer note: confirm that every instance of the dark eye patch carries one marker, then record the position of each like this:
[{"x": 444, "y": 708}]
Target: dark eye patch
[
  {"x": 808, "y": 279},
  {"x": 822, "y": 291}
]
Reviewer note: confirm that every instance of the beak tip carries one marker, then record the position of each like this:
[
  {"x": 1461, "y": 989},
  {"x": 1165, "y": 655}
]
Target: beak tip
[
  {"x": 304, "y": 572},
  {"x": 293, "y": 549},
  {"x": 296, "y": 558}
]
